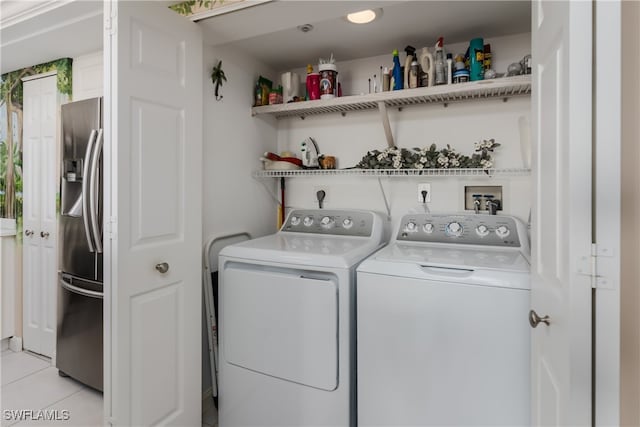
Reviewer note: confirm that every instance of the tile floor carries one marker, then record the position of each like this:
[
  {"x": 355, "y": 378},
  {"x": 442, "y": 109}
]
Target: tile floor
[{"x": 30, "y": 382}]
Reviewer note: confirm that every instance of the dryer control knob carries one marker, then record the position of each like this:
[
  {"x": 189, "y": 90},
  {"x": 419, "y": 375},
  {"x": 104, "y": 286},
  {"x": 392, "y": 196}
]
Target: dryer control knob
[
  {"x": 327, "y": 222},
  {"x": 295, "y": 220},
  {"x": 308, "y": 221},
  {"x": 347, "y": 223},
  {"x": 482, "y": 230},
  {"x": 411, "y": 226},
  {"x": 502, "y": 231},
  {"x": 428, "y": 228},
  {"x": 454, "y": 229}
]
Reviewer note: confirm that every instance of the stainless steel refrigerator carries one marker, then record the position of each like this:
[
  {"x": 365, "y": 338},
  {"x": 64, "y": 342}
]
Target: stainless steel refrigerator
[{"x": 80, "y": 292}]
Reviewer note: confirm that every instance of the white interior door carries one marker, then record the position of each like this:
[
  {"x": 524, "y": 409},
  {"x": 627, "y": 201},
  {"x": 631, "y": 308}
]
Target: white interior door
[
  {"x": 40, "y": 178},
  {"x": 561, "y": 220},
  {"x": 153, "y": 168}
]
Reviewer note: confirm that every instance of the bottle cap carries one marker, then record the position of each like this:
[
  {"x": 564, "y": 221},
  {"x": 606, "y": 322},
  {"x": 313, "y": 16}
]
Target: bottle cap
[
  {"x": 395, "y": 52},
  {"x": 449, "y": 56},
  {"x": 309, "y": 68}
]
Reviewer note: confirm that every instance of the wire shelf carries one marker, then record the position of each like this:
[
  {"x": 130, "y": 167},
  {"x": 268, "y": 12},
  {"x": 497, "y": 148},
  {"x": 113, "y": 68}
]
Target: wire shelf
[
  {"x": 390, "y": 173},
  {"x": 505, "y": 87}
]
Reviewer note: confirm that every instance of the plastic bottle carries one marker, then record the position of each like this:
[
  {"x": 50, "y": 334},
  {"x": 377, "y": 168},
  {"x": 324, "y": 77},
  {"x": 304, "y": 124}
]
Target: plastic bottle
[
  {"x": 413, "y": 75},
  {"x": 449, "y": 68},
  {"x": 410, "y": 51},
  {"x": 386, "y": 80},
  {"x": 397, "y": 72},
  {"x": 441, "y": 77},
  {"x": 476, "y": 59},
  {"x": 428, "y": 69}
]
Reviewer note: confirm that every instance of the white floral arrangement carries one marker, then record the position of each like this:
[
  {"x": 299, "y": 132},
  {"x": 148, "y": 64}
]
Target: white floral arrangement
[{"x": 430, "y": 158}]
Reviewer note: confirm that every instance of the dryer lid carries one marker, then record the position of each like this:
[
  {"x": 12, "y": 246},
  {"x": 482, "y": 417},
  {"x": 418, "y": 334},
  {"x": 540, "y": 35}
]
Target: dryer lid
[{"x": 305, "y": 249}]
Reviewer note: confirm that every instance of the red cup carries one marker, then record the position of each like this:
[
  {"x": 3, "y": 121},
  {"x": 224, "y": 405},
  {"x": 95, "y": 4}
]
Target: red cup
[{"x": 313, "y": 86}]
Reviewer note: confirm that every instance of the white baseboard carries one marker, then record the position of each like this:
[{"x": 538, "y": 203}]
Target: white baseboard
[
  {"x": 207, "y": 399},
  {"x": 15, "y": 343},
  {"x": 4, "y": 344}
]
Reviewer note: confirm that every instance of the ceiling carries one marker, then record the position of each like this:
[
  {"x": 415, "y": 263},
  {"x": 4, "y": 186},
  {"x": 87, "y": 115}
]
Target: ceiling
[
  {"x": 269, "y": 33},
  {"x": 48, "y": 30},
  {"x": 52, "y": 29}
]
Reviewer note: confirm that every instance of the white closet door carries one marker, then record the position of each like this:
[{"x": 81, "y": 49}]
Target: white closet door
[
  {"x": 153, "y": 198},
  {"x": 561, "y": 221},
  {"x": 40, "y": 179}
]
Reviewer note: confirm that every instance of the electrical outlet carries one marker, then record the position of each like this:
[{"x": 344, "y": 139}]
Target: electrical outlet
[
  {"x": 314, "y": 196},
  {"x": 424, "y": 187}
]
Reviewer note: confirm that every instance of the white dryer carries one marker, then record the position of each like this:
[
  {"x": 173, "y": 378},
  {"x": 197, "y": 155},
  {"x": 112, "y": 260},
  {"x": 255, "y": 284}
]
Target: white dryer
[
  {"x": 287, "y": 321},
  {"x": 443, "y": 333}
]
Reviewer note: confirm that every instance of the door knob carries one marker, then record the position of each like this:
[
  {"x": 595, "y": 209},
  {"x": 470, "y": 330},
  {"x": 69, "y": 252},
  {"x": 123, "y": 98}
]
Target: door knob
[
  {"x": 535, "y": 320},
  {"x": 28, "y": 233},
  {"x": 163, "y": 267},
  {"x": 44, "y": 234}
]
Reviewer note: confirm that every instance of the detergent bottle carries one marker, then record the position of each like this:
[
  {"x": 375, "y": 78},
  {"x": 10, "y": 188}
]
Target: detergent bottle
[{"x": 397, "y": 72}]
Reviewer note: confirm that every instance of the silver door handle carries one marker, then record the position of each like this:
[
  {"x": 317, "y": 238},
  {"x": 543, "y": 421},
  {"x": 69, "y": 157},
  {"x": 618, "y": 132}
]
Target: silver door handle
[
  {"x": 535, "y": 320},
  {"x": 44, "y": 234},
  {"x": 86, "y": 188},
  {"x": 84, "y": 292},
  {"x": 94, "y": 193},
  {"x": 163, "y": 267},
  {"x": 28, "y": 233}
]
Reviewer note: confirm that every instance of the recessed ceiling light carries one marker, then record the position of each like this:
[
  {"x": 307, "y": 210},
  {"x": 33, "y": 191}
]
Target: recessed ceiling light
[{"x": 364, "y": 16}]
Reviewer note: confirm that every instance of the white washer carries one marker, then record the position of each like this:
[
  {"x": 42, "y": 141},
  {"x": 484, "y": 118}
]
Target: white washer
[
  {"x": 443, "y": 335},
  {"x": 287, "y": 327}
]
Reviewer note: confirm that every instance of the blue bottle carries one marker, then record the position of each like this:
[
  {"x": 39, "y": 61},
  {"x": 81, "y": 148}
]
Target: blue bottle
[{"x": 397, "y": 72}]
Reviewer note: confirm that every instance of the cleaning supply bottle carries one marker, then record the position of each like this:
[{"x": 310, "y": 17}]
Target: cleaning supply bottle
[
  {"x": 440, "y": 66},
  {"x": 386, "y": 80},
  {"x": 410, "y": 50},
  {"x": 426, "y": 63},
  {"x": 476, "y": 59},
  {"x": 413, "y": 74},
  {"x": 449, "y": 68},
  {"x": 397, "y": 72}
]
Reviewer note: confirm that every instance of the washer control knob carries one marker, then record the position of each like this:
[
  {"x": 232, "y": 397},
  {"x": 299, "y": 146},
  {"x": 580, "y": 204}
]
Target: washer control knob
[
  {"x": 482, "y": 230},
  {"x": 454, "y": 229},
  {"x": 502, "y": 231},
  {"x": 327, "y": 222},
  {"x": 428, "y": 228},
  {"x": 347, "y": 223},
  {"x": 308, "y": 221},
  {"x": 295, "y": 220},
  {"x": 411, "y": 226}
]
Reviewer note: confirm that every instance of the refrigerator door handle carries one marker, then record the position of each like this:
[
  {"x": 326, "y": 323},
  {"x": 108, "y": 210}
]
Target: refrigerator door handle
[
  {"x": 94, "y": 192},
  {"x": 86, "y": 188},
  {"x": 84, "y": 292}
]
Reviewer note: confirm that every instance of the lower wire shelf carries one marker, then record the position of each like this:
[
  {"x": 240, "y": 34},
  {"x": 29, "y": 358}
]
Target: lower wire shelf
[{"x": 390, "y": 173}]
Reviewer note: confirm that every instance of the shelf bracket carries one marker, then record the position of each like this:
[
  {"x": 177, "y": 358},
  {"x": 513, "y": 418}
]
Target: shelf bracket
[
  {"x": 382, "y": 107},
  {"x": 384, "y": 197}
]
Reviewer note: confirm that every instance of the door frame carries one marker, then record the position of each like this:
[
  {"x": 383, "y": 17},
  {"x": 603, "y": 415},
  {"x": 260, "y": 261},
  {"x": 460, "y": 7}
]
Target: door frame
[{"x": 607, "y": 133}]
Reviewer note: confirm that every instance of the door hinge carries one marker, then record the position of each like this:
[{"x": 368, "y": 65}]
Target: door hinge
[
  {"x": 589, "y": 266},
  {"x": 109, "y": 25},
  {"x": 111, "y": 228}
]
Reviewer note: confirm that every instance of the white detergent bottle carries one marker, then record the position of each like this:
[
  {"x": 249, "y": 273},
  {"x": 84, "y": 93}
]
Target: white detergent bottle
[{"x": 427, "y": 65}]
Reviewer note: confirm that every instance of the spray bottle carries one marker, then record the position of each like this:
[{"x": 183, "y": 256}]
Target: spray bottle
[
  {"x": 411, "y": 51},
  {"x": 397, "y": 72},
  {"x": 441, "y": 76}
]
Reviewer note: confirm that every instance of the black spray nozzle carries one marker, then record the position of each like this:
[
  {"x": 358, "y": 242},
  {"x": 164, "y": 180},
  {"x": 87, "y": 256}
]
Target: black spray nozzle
[{"x": 410, "y": 50}]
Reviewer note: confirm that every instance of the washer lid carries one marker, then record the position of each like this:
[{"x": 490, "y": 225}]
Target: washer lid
[
  {"x": 305, "y": 249},
  {"x": 455, "y": 256}
]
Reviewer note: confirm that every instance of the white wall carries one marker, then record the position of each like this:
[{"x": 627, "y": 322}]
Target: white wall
[
  {"x": 233, "y": 143},
  {"x": 459, "y": 124}
]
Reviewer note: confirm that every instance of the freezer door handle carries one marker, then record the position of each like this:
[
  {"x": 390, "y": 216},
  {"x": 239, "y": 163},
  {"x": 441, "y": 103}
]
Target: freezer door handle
[
  {"x": 94, "y": 193},
  {"x": 80, "y": 291},
  {"x": 86, "y": 188}
]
